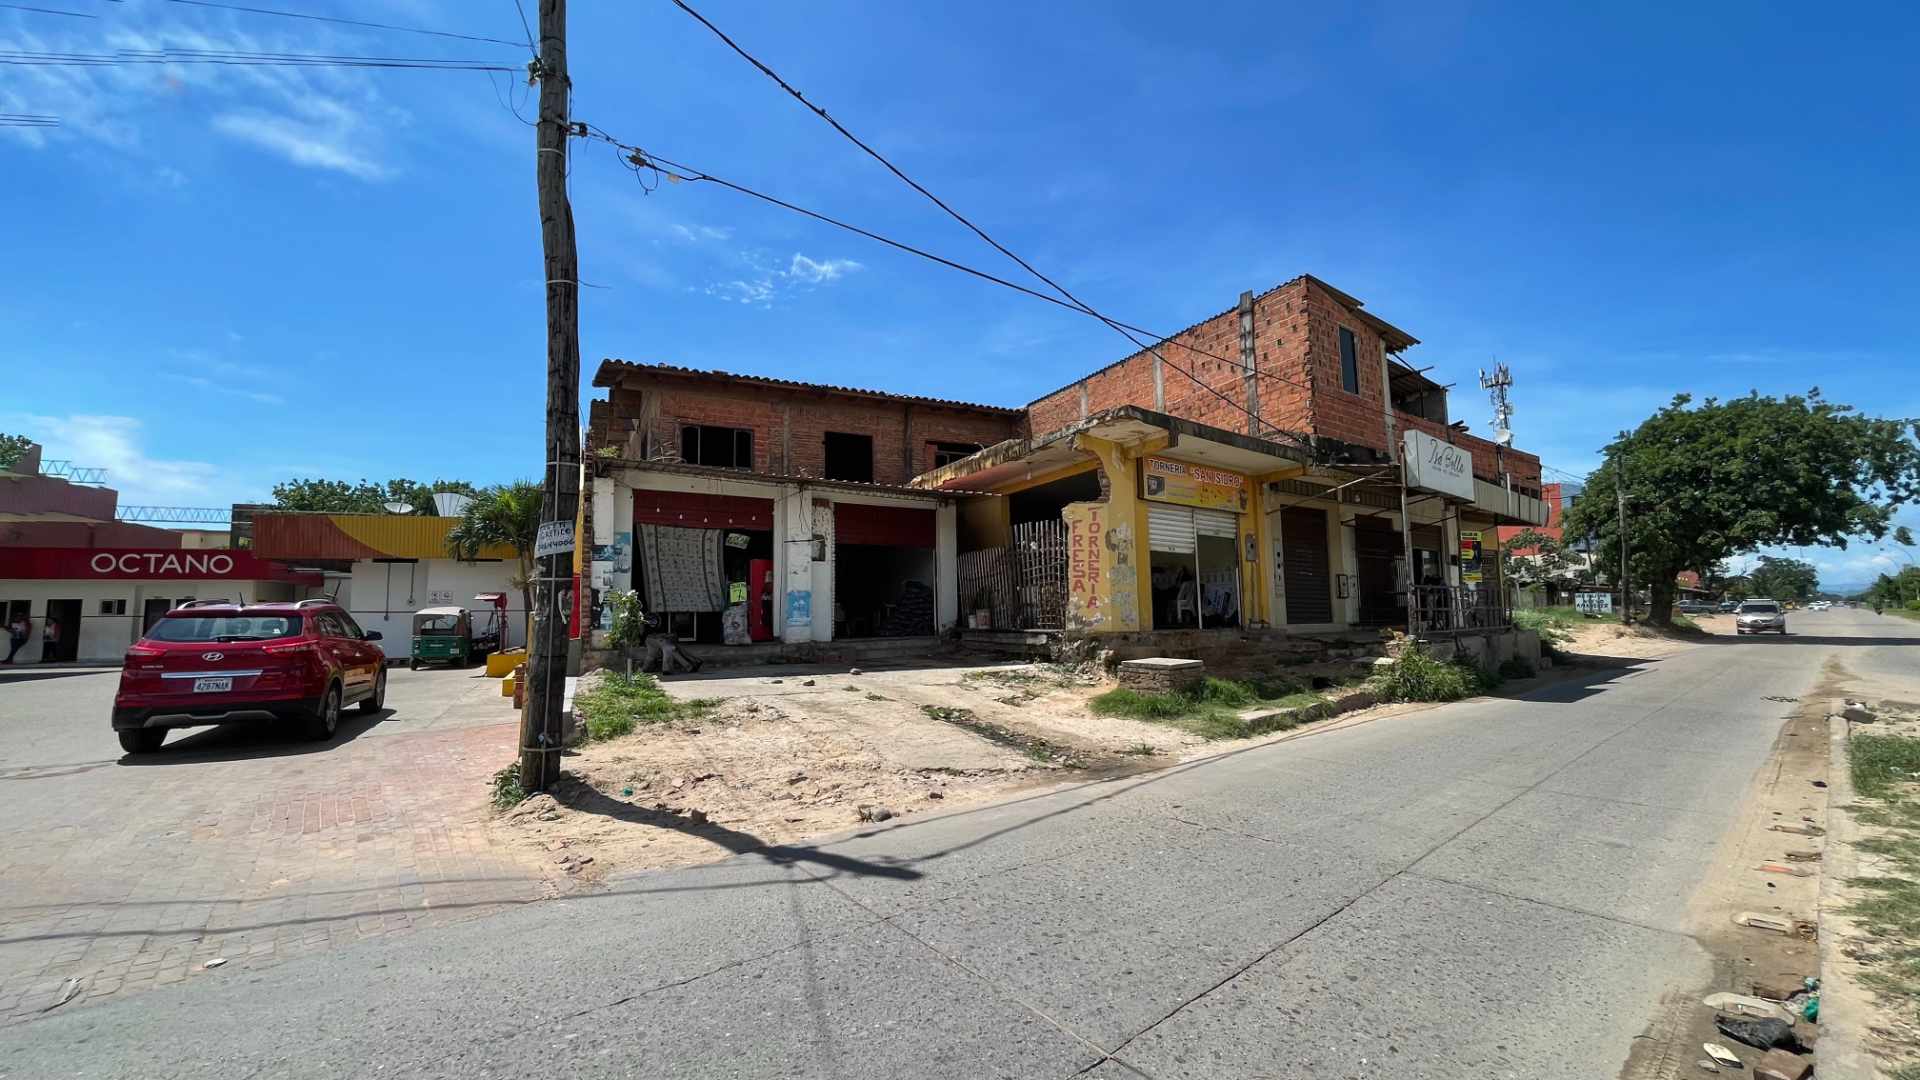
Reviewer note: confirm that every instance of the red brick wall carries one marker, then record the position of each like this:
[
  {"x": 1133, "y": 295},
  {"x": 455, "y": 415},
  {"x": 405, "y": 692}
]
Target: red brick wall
[
  {"x": 1202, "y": 379},
  {"x": 1488, "y": 459},
  {"x": 1352, "y": 418},
  {"x": 790, "y": 426}
]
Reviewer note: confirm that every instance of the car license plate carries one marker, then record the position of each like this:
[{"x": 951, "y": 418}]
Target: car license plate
[{"x": 212, "y": 686}]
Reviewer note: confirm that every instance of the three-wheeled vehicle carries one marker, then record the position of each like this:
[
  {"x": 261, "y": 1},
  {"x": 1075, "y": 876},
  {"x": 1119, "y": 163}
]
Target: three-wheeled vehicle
[
  {"x": 447, "y": 635},
  {"x": 443, "y": 635}
]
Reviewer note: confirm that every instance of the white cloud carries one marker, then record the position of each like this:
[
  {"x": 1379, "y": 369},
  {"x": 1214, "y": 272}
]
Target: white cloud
[
  {"x": 115, "y": 443},
  {"x": 326, "y": 142},
  {"x": 699, "y": 233},
  {"x": 262, "y": 397},
  {"x": 820, "y": 272},
  {"x": 800, "y": 273},
  {"x": 324, "y": 118}
]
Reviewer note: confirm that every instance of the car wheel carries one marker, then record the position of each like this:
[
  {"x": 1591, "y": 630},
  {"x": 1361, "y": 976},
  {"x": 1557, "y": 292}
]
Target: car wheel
[
  {"x": 378, "y": 700},
  {"x": 325, "y": 720},
  {"x": 142, "y": 740},
  {"x": 413, "y": 665}
]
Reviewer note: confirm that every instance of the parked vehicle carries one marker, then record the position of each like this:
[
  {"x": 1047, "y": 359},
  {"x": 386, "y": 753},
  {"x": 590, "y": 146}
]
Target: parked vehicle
[
  {"x": 217, "y": 662},
  {"x": 1729, "y": 605},
  {"x": 1693, "y": 607},
  {"x": 1758, "y": 615},
  {"x": 444, "y": 635}
]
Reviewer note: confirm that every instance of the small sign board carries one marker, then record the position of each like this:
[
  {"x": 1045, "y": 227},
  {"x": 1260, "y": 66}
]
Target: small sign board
[
  {"x": 1184, "y": 484},
  {"x": 554, "y": 538},
  {"x": 1593, "y": 603},
  {"x": 1436, "y": 466}
]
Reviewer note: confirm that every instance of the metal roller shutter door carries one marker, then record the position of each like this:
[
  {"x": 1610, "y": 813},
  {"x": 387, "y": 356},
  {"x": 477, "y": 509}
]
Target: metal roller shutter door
[
  {"x": 1170, "y": 529},
  {"x": 1216, "y": 523}
]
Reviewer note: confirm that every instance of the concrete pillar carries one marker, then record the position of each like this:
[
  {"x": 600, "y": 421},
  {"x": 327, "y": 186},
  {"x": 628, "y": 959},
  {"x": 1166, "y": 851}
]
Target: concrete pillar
[
  {"x": 793, "y": 524},
  {"x": 823, "y": 571},
  {"x": 946, "y": 567}
]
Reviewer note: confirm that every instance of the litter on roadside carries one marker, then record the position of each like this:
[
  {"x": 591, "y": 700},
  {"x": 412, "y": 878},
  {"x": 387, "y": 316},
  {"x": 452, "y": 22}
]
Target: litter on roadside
[
  {"x": 214, "y": 963},
  {"x": 1742, "y": 1005},
  {"x": 1764, "y": 922},
  {"x": 1761, "y": 1034},
  {"x": 1723, "y": 1056},
  {"x": 1798, "y": 828},
  {"x": 1783, "y": 868}
]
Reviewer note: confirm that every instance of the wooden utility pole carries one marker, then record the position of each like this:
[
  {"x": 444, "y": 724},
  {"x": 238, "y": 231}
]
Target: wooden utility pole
[
  {"x": 1620, "y": 491},
  {"x": 540, "y": 738}
]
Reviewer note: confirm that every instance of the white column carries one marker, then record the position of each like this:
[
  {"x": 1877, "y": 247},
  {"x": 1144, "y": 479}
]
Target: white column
[
  {"x": 946, "y": 567},
  {"x": 823, "y": 572},
  {"x": 795, "y": 596}
]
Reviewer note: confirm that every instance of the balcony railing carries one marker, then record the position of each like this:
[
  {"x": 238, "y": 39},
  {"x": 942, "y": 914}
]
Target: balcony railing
[{"x": 1457, "y": 609}]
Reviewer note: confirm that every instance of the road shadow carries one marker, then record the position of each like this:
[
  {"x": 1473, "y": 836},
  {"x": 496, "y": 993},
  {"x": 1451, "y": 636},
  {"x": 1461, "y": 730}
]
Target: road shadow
[
  {"x": 1585, "y": 675},
  {"x": 585, "y": 798},
  {"x": 263, "y": 739},
  {"x": 30, "y": 674}
]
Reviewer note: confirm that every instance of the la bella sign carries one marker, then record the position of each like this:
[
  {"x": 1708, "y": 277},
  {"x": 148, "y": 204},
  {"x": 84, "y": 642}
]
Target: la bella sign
[{"x": 1436, "y": 466}]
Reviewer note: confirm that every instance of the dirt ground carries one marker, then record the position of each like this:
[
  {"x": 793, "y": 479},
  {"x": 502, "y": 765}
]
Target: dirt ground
[
  {"x": 790, "y": 753},
  {"x": 1639, "y": 642}
]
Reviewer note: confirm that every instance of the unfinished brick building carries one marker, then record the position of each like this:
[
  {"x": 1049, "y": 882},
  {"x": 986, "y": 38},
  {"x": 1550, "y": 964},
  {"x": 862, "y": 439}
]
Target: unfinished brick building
[{"x": 1278, "y": 464}]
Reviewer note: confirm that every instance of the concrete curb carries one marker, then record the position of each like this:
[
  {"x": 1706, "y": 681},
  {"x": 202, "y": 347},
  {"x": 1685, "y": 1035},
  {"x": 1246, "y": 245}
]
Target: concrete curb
[{"x": 1841, "y": 1053}]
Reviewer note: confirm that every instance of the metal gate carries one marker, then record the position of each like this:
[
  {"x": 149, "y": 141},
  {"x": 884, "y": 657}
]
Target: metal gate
[{"x": 1022, "y": 586}]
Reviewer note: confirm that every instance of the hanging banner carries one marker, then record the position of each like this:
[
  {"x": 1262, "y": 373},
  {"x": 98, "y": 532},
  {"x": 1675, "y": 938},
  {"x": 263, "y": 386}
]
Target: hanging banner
[
  {"x": 1471, "y": 566},
  {"x": 1185, "y": 484}
]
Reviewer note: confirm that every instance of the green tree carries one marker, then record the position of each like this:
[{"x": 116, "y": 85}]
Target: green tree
[
  {"x": 508, "y": 514},
  {"x": 340, "y": 497},
  {"x": 1783, "y": 579},
  {"x": 1706, "y": 482},
  {"x": 13, "y": 448},
  {"x": 1533, "y": 558}
]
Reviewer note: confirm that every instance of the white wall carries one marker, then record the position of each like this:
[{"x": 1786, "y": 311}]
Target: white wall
[
  {"x": 104, "y": 638},
  {"x": 383, "y": 596}
]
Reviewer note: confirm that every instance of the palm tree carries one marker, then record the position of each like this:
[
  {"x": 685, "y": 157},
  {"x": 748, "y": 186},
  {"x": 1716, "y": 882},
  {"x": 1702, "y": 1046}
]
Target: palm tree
[{"x": 506, "y": 515}]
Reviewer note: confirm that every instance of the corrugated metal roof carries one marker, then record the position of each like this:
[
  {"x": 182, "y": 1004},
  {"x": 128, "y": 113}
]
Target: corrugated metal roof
[
  {"x": 611, "y": 369},
  {"x": 358, "y": 536}
]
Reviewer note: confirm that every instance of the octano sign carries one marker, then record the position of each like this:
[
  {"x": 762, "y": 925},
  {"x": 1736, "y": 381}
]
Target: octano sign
[{"x": 142, "y": 564}]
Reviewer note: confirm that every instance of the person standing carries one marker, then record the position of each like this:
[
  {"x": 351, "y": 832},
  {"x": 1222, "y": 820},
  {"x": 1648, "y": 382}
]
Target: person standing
[
  {"x": 50, "y": 640},
  {"x": 18, "y": 629}
]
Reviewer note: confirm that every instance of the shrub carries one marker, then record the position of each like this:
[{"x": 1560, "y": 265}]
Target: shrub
[
  {"x": 1417, "y": 676},
  {"x": 617, "y": 703},
  {"x": 507, "y": 792}
]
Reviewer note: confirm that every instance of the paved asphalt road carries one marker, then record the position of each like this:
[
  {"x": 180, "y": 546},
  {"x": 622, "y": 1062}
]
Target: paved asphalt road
[{"x": 1490, "y": 889}]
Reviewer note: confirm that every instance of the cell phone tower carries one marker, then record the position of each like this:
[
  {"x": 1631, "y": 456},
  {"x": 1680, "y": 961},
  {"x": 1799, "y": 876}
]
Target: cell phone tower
[{"x": 1496, "y": 386}]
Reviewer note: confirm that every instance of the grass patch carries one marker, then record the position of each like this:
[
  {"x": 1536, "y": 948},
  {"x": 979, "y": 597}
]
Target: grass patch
[
  {"x": 875, "y": 697},
  {"x": 1141, "y": 750},
  {"x": 1882, "y": 764},
  {"x": 1417, "y": 676},
  {"x": 507, "y": 792},
  {"x": 1683, "y": 623},
  {"x": 1886, "y": 776},
  {"x": 619, "y": 703},
  {"x": 1553, "y": 624},
  {"x": 1211, "y": 708}
]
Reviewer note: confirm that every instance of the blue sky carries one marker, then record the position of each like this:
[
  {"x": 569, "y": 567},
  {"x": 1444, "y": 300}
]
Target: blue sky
[{"x": 218, "y": 277}]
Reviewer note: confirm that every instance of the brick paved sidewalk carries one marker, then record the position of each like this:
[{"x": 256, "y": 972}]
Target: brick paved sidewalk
[{"x": 131, "y": 876}]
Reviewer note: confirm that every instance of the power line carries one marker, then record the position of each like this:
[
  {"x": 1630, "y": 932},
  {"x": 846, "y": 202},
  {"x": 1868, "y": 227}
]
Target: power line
[
  {"x": 345, "y": 22},
  {"x": 20, "y": 58},
  {"x": 50, "y": 11},
  {"x": 961, "y": 218},
  {"x": 640, "y": 159},
  {"x": 522, "y": 9}
]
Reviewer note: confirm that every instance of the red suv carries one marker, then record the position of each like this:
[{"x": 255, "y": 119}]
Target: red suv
[{"x": 215, "y": 662}]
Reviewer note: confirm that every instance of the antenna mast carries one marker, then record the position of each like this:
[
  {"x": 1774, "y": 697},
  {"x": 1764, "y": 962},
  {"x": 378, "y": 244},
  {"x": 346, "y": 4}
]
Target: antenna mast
[{"x": 1496, "y": 386}]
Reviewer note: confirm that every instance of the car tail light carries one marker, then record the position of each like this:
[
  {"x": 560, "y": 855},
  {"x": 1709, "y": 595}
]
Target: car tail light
[{"x": 141, "y": 660}]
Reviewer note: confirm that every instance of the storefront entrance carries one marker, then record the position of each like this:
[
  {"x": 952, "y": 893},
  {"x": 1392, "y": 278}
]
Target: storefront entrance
[
  {"x": 65, "y": 614},
  {"x": 1303, "y": 566},
  {"x": 1194, "y": 564},
  {"x": 883, "y": 571},
  {"x": 1379, "y": 550},
  {"x": 703, "y": 563}
]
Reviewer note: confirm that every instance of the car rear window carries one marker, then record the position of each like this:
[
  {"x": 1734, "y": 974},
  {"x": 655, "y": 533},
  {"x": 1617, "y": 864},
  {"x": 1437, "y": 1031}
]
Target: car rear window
[{"x": 224, "y": 628}]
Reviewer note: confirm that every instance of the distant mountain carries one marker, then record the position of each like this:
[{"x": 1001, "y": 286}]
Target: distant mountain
[{"x": 1845, "y": 588}]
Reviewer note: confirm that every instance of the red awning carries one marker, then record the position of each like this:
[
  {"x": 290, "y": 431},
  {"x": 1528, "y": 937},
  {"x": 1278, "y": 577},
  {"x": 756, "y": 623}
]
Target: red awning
[
  {"x": 885, "y": 526},
  {"x": 694, "y": 510}
]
